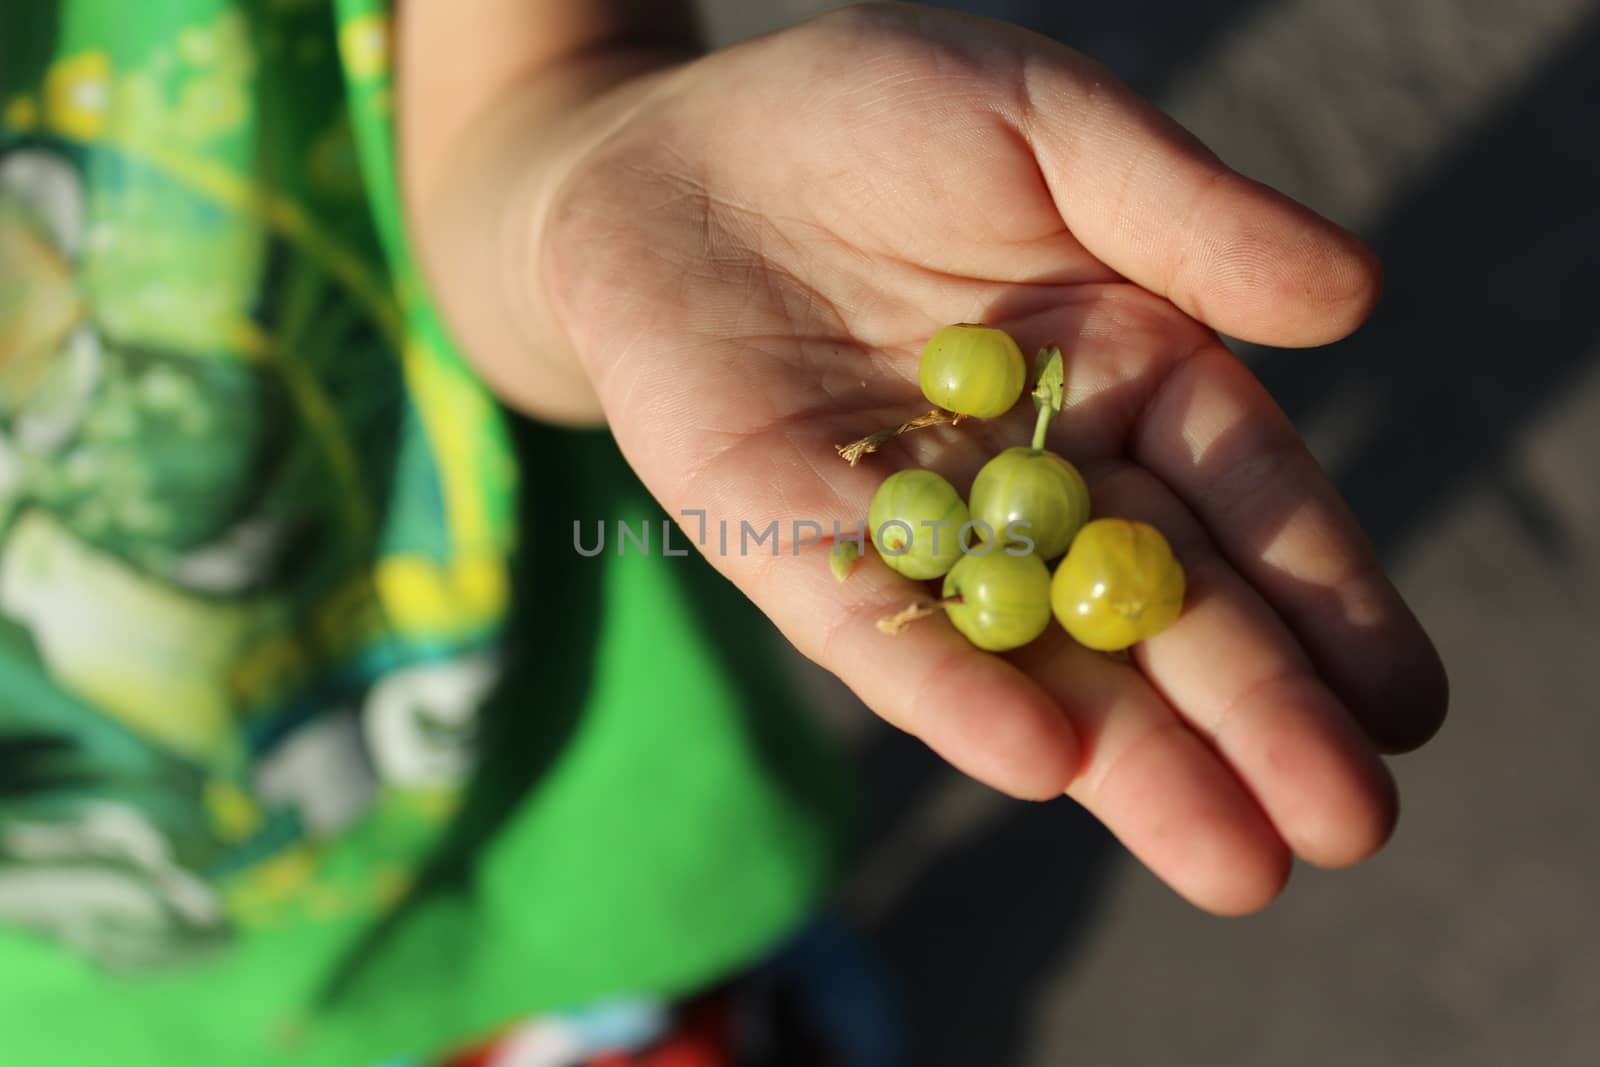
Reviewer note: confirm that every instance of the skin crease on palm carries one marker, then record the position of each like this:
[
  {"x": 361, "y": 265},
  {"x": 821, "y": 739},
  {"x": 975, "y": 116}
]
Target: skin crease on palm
[{"x": 746, "y": 266}]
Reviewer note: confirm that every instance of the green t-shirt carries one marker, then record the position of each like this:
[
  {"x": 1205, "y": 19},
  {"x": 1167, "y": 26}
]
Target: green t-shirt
[{"x": 317, "y": 736}]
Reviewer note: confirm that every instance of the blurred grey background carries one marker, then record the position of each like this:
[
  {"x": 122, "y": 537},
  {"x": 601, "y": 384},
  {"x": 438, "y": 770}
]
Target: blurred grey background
[{"x": 1461, "y": 138}]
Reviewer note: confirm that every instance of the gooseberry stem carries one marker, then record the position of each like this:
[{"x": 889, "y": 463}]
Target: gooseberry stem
[
  {"x": 852, "y": 452},
  {"x": 920, "y": 609},
  {"x": 1049, "y": 392},
  {"x": 1040, "y": 425}
]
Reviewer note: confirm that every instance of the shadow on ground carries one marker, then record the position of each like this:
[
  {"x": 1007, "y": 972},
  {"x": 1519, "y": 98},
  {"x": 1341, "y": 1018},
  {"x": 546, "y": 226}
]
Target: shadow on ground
[
  {"x": 1493, "y": 265},
  {"x": 988, "y": 923}
]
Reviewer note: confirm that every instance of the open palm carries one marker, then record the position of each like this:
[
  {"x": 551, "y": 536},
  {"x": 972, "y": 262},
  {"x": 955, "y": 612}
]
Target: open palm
[{"x": 747, "y": 267}]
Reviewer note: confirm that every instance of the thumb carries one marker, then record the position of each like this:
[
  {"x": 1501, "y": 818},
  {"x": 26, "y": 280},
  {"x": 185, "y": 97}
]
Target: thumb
[{"x": 1155, "y": 205}]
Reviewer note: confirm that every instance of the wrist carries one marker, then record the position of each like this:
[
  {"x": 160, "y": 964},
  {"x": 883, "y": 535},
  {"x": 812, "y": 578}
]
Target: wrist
[
  {"x": 574, "y": 116},
  {"x": 481, "y": 211}
]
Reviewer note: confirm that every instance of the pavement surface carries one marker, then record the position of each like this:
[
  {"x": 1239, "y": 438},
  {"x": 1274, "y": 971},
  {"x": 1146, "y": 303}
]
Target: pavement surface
[{"x": 1460, "y": 138}]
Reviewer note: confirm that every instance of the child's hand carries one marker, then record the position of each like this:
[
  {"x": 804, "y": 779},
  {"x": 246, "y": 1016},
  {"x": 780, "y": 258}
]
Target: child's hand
[{"x": 746, "y": 268}]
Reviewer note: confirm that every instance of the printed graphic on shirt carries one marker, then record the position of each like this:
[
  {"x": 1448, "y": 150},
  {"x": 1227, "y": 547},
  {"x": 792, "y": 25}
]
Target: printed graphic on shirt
[{"x": 254, "y": 514}]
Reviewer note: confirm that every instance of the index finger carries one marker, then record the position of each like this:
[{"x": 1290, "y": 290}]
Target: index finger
[{"x": 1212, "y": 433}]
